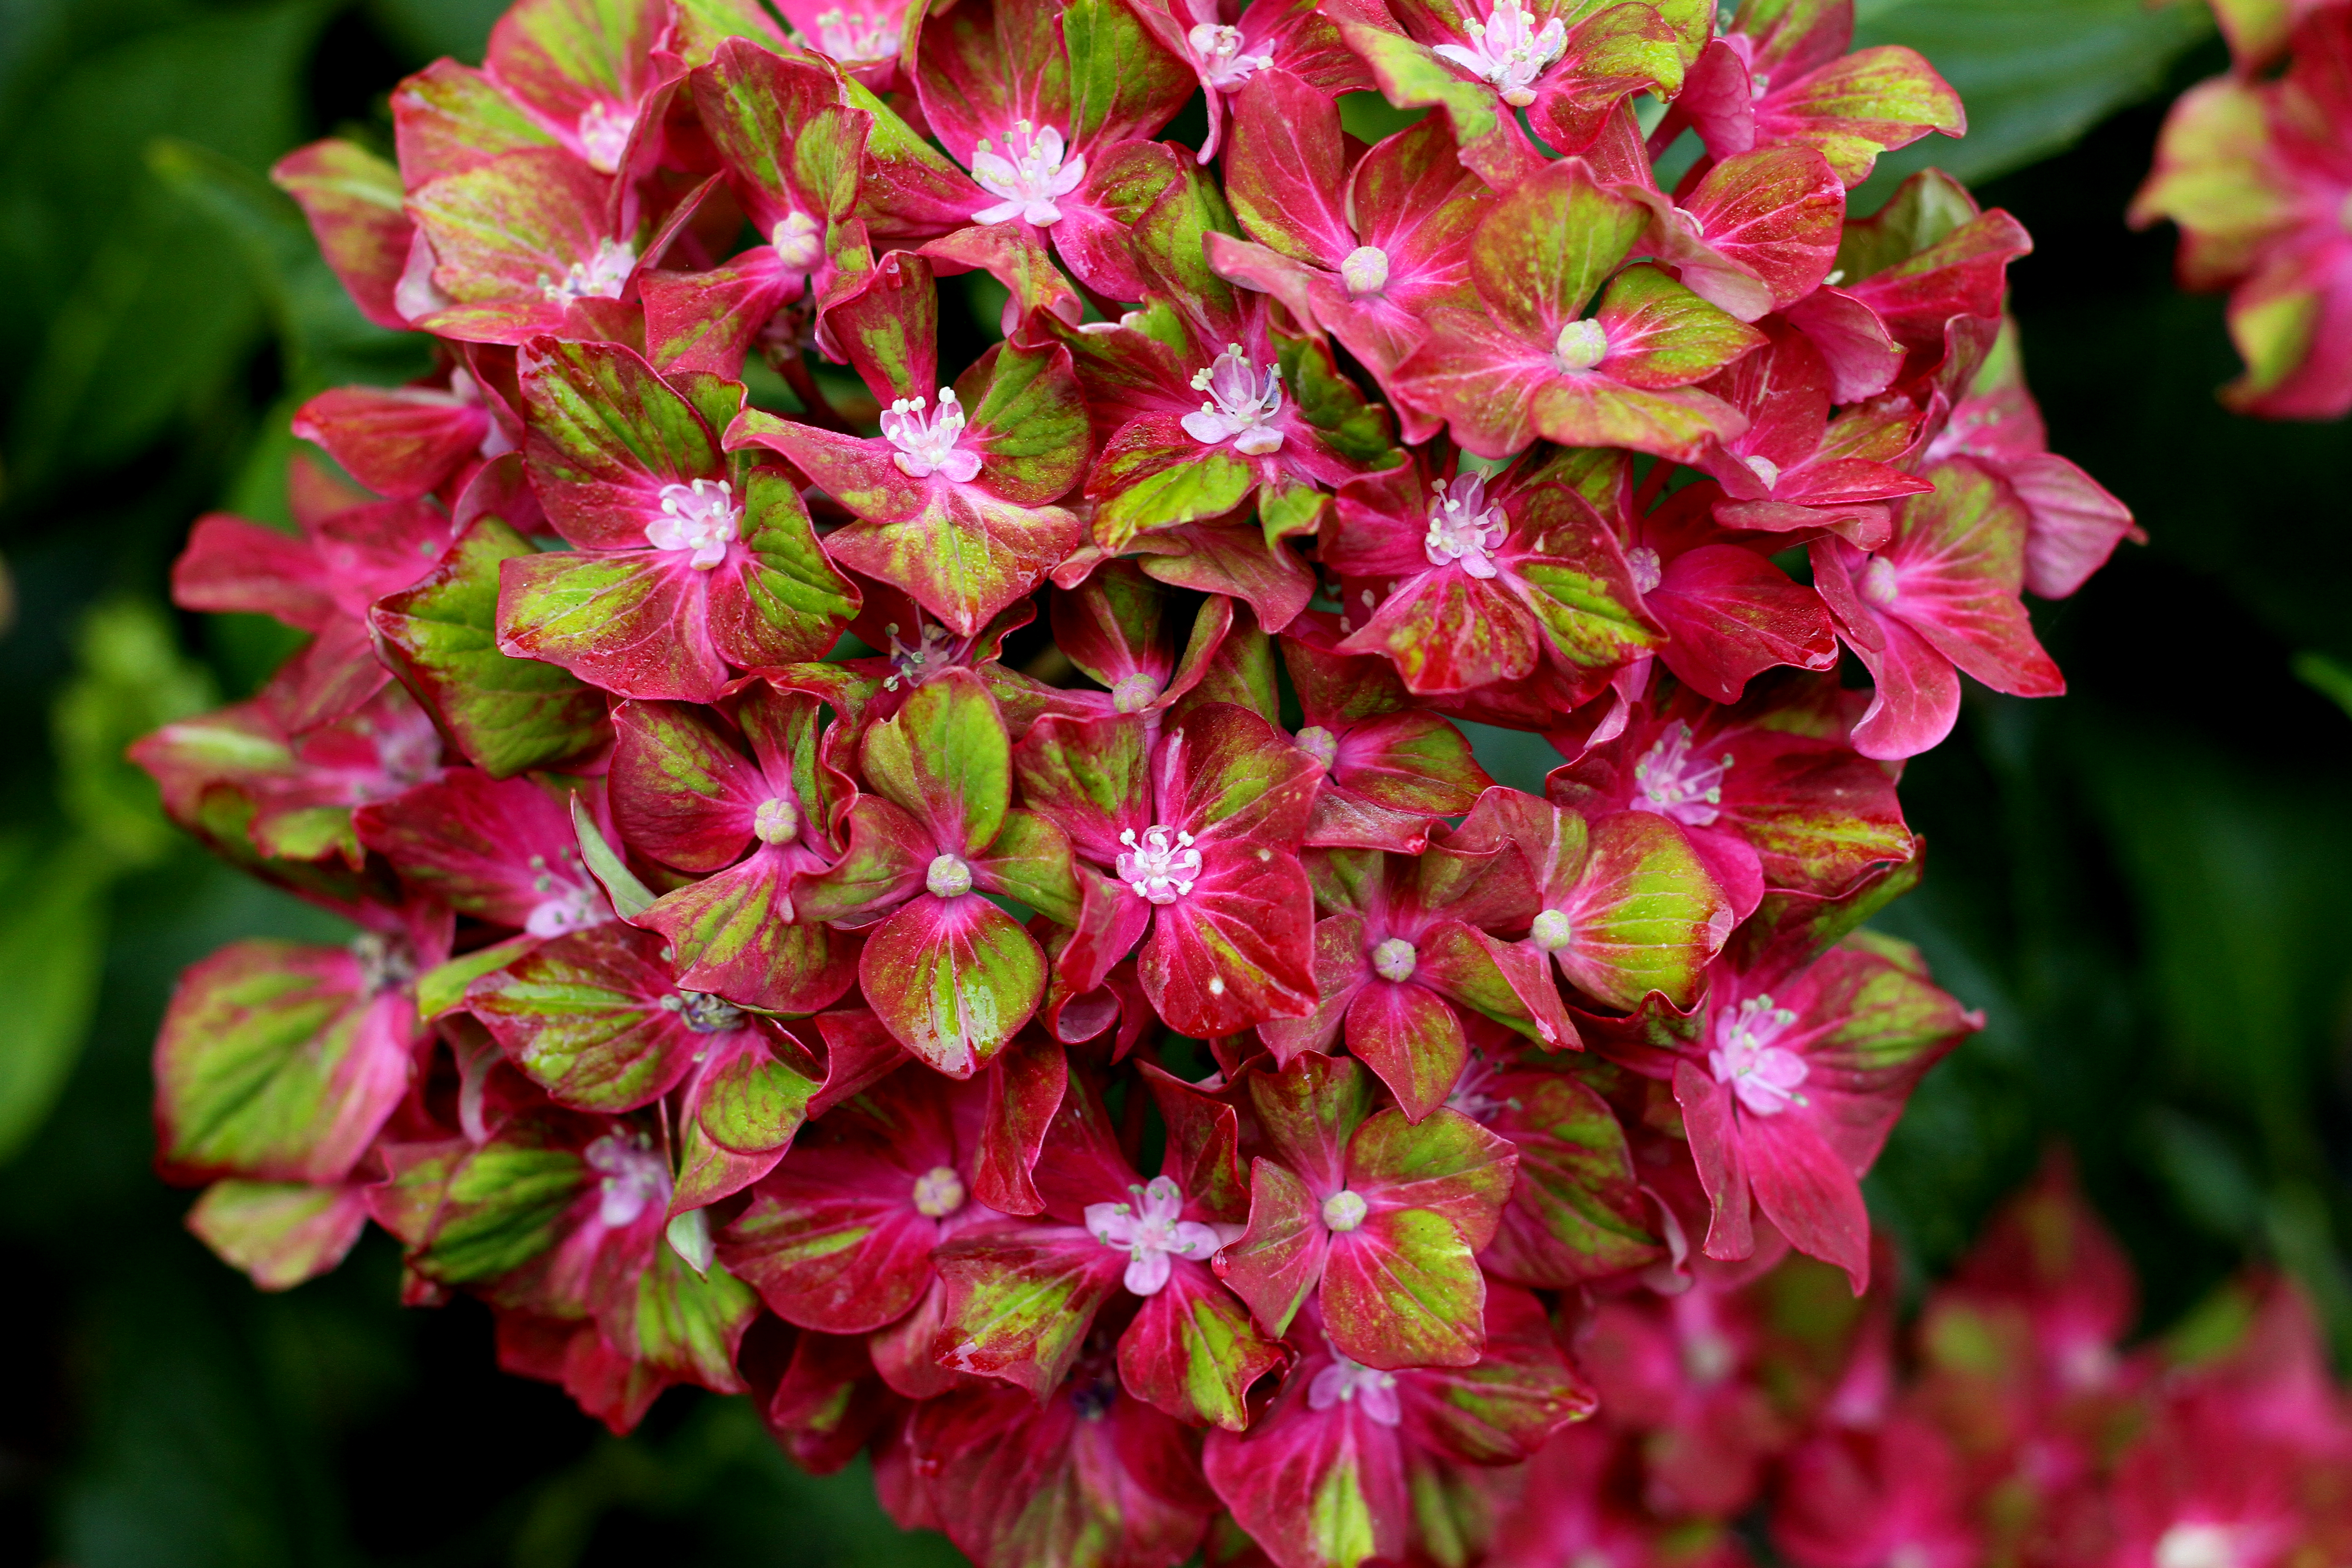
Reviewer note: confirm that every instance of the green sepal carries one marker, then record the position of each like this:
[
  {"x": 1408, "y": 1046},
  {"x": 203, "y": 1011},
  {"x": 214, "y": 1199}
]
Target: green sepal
[
  {"x": 1029, "y": 860},
  {"x": 442, "y": 988},
  {"x": 1357, "y": 430},
  {"x": 440, "y": 638},
  {"x": 688, "y": 1323},
  {"x": 1411, "y": 76},
  {"x": 630, "y": 896},
  {"x": 1162, "y": 486},
  {"x": 274, "y": 1062},
  {"x": 1291, "y": 510},
  {"x": 475, "y": 1215},
  {"x": 946, "y": 759},
  {"x": 279, "y": 1233}
]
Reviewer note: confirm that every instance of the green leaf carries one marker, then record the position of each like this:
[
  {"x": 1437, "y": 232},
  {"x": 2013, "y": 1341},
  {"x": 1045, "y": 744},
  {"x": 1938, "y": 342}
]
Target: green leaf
[
  {"x": 507, "y": 715},
  {"x": 52, "y": 941},
  {"x": 128, "y": 308},
  {"x": 131, "y": 678},
  {"x": 427, "y": 29},
  {"x": 2325, "y": 676},
  {"x": 2035, "y": 74},
  {"x": 323, "y": 335}
]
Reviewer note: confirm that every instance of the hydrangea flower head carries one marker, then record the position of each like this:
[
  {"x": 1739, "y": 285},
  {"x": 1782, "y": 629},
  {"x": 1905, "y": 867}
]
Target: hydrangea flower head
[{"x": 821, "y": 830}]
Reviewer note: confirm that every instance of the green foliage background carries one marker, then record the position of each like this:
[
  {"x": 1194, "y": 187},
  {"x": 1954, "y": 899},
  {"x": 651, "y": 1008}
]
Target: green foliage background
[{"x": 2143, "y": 884}]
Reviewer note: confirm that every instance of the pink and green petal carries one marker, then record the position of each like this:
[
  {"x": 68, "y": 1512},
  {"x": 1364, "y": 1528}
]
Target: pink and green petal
[
  {"x": 1342, "y": 971},
  {"x": 1027, "y": 1086},
  {"x": 585, "y": 1017},
  {"x": 945, "y": 759},
  {"x": 1029, "y": 861},
  {"x": 680, "y": 788},
  {"x": 885, "y": 856},
  {"x": 1091, "y": 778},
  {"x": 889, "y": 328},
  {"x": 1410, "y": 76},
  {"x": 606, "y": 433},
  {"x": 953, "y": 980},
  {"x": 1236, "y": 949},
  {"x": 1194, "y": 1352},
  {"x": 1409, "y": 1038},
  {"x": 1506, "y": 981},
  {"x": 1520, "y": 1392},
  {"x": 636, "y": 623},
  {"x": 1237, "y": 562},
  {"x": 440, "y": 638},
  {"x": 1447, "y": 1166},
  {"x": 1403, "y": 1289},
  {"x": 1028, "y": 422},
  {"x": 1020, "y": 1301},
  {"x": 1642, "y": 915},
  {"x": 1577, "y": 1212},
  {"x": 354, "y": 202},
  {"x": 280, "y": 1233},
  {"x": 1278, "y": 1261},
  {"x": 276, "y": 1063},
  {"x": 730, "y": 935}
]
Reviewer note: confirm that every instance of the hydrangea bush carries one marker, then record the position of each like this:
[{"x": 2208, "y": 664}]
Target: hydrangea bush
[
  {"x": 2255, "y": 167},
  {"x": 2008, "y": 1426},
  {"x": 946, "y": 886}
]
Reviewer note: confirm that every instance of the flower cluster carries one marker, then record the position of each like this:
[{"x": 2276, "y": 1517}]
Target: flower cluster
[
  {"x": 2006, "y": 1425},
  {"x": 964, "y": 908},
  {"x": 2255, "y": 167}
]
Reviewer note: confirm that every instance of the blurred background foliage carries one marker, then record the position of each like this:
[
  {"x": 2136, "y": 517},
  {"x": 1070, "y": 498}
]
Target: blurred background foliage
[{"x": 2143, "y": 884}]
